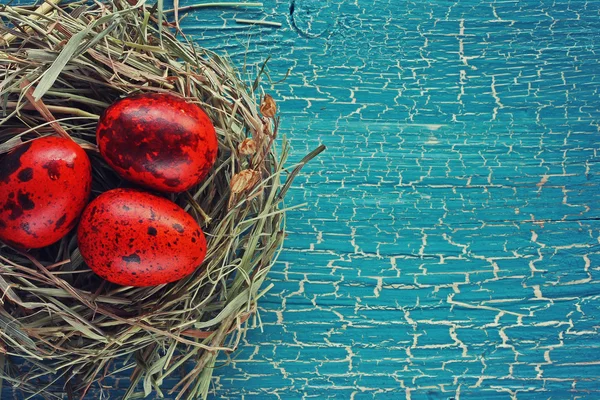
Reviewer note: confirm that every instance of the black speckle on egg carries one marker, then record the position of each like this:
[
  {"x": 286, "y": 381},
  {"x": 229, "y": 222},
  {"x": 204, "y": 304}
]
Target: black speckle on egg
[
  {"x": 15, "y": 210},
  {"x": 25, "y": 201},
  {"x": 25, "y": 226},
  {"x": 152, "y": 231},
  {"x": 25, "y": 175},
  {"x": 93, "y": 211},
  {"x": 172, "y": 182},
  {"x": 61, "y": 221},
  {"x": 178, "y": 228},
  {"x": 53, "y": 169},
  {"x": 132, "y": 258}
]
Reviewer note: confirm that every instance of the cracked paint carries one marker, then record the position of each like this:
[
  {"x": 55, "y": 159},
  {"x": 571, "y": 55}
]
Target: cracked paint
[{"x": 451, "y": 244}]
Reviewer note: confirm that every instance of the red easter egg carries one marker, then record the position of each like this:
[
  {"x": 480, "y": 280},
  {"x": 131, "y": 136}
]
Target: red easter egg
[
  {"x": 44, "y": 186},
  {"x": 134, "y": 238},
  {"x": 158, "y": 140}
]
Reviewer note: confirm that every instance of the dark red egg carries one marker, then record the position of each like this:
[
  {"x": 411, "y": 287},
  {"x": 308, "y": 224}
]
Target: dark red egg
[
  {"x": 44, "y": 186},
  {"x": 158, "y": 140},
  {"x": 134, "y": 238}
]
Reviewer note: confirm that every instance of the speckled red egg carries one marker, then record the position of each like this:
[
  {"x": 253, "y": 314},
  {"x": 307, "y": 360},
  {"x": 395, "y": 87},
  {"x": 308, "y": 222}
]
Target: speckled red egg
[
  {"x": 44, "y": 186},
  {"x": 134, "y": 238},
  {"x": 158, "y": 140}
]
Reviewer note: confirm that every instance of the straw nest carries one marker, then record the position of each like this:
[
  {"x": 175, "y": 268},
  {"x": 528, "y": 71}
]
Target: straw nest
[{"x": 61, "y": 326}]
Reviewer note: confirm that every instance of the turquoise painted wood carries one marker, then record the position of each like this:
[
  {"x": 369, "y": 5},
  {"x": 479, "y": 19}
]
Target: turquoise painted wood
[{"x": 450, "y": 246}]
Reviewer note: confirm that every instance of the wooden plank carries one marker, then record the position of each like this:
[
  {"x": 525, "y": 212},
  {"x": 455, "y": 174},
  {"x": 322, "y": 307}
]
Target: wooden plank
[
  {"x": 451, "y": 245},
  {"x": 450, "y": 249}
]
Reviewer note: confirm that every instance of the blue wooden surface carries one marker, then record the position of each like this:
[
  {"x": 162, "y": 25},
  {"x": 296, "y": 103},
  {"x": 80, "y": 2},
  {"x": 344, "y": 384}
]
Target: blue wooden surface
[
  {"x": 451, "y": 244},
  {"x": 450, "y": 248}
]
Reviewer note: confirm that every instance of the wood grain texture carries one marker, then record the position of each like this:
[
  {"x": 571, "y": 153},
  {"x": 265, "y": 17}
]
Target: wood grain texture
[{"x": 450, "y": 248}]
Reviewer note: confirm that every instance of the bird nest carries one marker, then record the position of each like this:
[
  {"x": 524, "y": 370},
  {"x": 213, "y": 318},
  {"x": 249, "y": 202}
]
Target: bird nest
[{"x": 65, "y": 332}]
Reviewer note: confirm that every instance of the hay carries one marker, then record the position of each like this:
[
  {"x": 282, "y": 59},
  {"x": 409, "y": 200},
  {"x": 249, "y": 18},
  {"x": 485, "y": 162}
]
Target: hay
[{"x": 60, "y": 67}]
